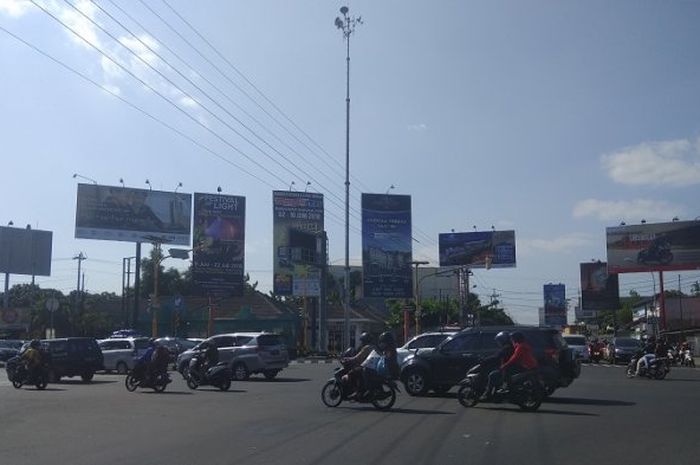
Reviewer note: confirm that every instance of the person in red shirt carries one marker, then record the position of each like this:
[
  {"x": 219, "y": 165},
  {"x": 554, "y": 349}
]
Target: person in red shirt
[{"x": 522, "y": 359}]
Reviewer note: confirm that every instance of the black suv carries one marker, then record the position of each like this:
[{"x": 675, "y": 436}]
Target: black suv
[
  {"x": 72, "y": 356},
  {"x": 444, "y": 366}
]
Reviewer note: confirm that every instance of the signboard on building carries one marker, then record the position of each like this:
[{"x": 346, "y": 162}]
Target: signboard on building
[
  {"x": 297, "y": 222},
  {"x": 25, "y": 251},
  {"x": 219, "y": 244},
  {"x": 386, "y": 246},
  {"x": 478, "y": 249},
  {"x": 132, "y": 215}
]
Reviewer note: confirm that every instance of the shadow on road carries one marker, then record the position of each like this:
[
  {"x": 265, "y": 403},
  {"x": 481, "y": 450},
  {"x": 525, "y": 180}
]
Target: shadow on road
[
  {"x": 397, "y": 410},
  {"x": 584, "y": 401},
  {"x": 542, "y": 410},
  {"x": 42, "y": 390},
  {"x": 81, "y": 382},
  {"x": 219, "y": 390},
  {"x": 683, "y": 380},
  {"x": 446, "y": 395},
  {"x": 168, "y": 393},
  {"x": 277, "y": 380}
]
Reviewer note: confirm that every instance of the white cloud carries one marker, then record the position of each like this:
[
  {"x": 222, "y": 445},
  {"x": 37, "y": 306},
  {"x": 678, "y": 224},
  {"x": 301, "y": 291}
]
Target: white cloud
[
  {"x": 14, "y": 8},
  {"x": 628, "y": 210},
  {"x": 667, "y": 163},
  {"x": 420, "y": 127},
  {"x": 80, "y": 23},
  {"x": 565, "y": 243}
]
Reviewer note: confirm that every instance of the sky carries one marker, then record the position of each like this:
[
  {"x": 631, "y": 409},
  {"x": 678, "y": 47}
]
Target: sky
[{"x": 554, "y": 119}]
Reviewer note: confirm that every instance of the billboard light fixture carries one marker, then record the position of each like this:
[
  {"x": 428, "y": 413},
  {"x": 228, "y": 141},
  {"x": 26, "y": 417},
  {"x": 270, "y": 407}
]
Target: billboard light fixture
[
  {"x": 218, "y": 189},
  {"x": 644, "y": 221}
]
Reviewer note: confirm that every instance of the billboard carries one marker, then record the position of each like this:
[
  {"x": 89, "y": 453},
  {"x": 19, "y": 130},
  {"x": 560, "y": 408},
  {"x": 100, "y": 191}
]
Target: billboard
[
  {"x": 132, "y": 215},
  {"x": 479, "y": 249},
  {"x": 654, "y": 247},
  {"x": 386, "y": 246},
  {"x": 219, "y": 244},
  {"x": 555, "y": 305},
  {"x": 297, "y": 220},
  {"x": 25, "y": 251},
  {"x": 599, "y": 290}
]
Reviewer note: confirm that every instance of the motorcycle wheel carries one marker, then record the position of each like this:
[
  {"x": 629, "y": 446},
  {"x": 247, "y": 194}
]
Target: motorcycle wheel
[
  {"x": 159, "y": 387},
  {"x": 131, "y": 382},
  {"x": 225, "y": 384},
  {"x": 631, "y": 371},
  {"x": 41, "y": 383},
  {"x": 660, "y": 373},
  {"x": 332, "y": 394},
  {"x": 192, "y": 383},
  {"x": 534, "y": 394},
  {"x": 384, "y": 397},
  {"x": 16, "y": 384},
  {"x": 467, "y": 396}
]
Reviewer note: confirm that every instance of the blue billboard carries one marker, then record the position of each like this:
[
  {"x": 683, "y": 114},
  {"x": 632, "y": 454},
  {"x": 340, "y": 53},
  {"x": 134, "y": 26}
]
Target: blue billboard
[
  {"x": 555, "y": 305},
  {"x": 478, "y": 249},
  {"x": 386, "y": 246}
]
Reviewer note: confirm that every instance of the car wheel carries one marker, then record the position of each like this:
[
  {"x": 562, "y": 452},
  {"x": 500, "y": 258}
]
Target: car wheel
[
  {"x": 122, "y": 369},
  {"x": 270, "y": 374},
  {"x": 87, "y": 376},
  {"x": 240, "y": 372},
  {"x": 416, "y": 382}
]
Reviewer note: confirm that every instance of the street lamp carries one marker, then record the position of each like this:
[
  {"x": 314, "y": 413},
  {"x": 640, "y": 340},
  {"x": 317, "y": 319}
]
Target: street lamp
[
  {"x": 150, "y": 188},
  {"x": 347, "y": 25},
  {"x": 76, "y": 175}
]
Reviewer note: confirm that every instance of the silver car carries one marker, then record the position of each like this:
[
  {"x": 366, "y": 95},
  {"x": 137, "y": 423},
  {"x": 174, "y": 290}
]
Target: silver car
[
  {"x": 579, "y": 344},
  {"x": 422, "y": 341},
  {"x": 246, "y": 353},
  {"x": 119, "y": 353}
]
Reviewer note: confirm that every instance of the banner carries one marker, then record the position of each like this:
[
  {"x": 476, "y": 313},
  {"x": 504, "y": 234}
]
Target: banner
[
  {"x": 479, "y": 249},
  {"x": 599, "y": 290},
  {"x": 297, "y": 222},
  {"x": 386, "y": 246},
  {"x": 25, "y": 251},
  {"x": 219, "y": 244},
  {"x": 132, "y": 215},
  {"x": 654, "y": 247},
  {"x": 555, "y": 305}
]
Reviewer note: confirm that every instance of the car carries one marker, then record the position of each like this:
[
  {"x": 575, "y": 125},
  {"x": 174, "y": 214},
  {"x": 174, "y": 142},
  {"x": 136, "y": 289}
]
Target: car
[
  {"x": 442, "y": 367},
  {"x": 122, "y": 333},
  {"x": 9, "y": 348},
  {"x": 421, "y": 341},
  {"x": 246, "y": 353},
  {"x": 622, "y": 349},
  {"x": 579, "y": 344},
  {"x": 120, "y": 353},
  {"x": 176, "y": 345},
  {"x": 72, "y": 356}
]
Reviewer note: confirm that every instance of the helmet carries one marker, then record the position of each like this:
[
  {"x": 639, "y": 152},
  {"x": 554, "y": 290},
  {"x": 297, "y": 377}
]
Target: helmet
[
  {"x": 517, "y": 337},
  {"x": 365, "y": 338},
  {"x": 35, "y": 344},
  {"x": 502, "y": 338},
  {"x": 387, "y": 338}
]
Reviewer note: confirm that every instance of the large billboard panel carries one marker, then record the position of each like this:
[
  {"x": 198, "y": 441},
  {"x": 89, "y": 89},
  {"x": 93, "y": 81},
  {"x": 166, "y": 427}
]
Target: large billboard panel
[
  {"x": 555, "y": 305},
  {"x": 133, "y": 215},
  {"x": 479, "y": 249},
  {"x": 297, "y": 222},
  {"x": 219, "y": 244},
  {"x": 25, "y": 251},
  {"x": 599, "y": 290},
  {"x": 386, "y": 246},
  {"x": 654, "y": 247}
]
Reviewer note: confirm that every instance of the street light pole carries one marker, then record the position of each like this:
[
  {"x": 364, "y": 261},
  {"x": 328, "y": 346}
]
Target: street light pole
[{"x": 347, "y": 25}]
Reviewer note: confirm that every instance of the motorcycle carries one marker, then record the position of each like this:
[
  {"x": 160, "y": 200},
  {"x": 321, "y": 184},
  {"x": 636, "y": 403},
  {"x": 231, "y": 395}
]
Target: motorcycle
[
  {"x": 381, "y": 392},
  {"x": 656, "y": 369},
  {"x": 687, "y": 359},
  {"x": 524, "y": 389},
  {"x": 596, "y": 353},
  {"x": 660, "y": 254},
  {"x": 219, "y": 375},
  {"x": 139, "y": 378},
  {"x": 19, "y": 375}
]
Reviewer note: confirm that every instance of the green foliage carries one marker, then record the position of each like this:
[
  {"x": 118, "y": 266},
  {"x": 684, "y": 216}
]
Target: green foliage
[{"x": 695, "y": 289}]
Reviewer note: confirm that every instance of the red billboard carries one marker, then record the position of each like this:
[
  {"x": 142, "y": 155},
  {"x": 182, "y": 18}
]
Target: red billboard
[{"x": 654, "y": 247}]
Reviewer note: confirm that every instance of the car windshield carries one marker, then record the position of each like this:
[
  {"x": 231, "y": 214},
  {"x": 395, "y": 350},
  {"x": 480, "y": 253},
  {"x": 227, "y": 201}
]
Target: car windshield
[{"x": 627, "y": 342}]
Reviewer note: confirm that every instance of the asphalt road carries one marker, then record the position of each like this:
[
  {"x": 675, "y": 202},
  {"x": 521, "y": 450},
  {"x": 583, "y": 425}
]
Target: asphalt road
[{"x": 604, "y": 418}]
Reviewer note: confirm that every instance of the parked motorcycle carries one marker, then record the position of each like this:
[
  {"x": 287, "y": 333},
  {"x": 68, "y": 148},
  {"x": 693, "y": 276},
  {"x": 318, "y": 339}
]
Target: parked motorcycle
[
  {"x": 381, "y": 392},
  {"x": 138, "y": 378},
  {"x": 656, "y": 369},
  {"x": 219, "y": 375},
  {"x": 19, "y": 375},
  {"x": 524, "y": 390}
]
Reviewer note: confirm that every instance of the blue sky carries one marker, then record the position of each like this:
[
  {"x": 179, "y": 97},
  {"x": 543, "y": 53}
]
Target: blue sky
[{"x": 555, "y": 119}]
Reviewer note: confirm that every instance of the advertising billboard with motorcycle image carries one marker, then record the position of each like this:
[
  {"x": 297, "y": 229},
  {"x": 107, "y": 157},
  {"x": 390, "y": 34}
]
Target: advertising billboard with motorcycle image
[
  {"x": 654, "y": 247},
  {"x": 478, "y": 249}
]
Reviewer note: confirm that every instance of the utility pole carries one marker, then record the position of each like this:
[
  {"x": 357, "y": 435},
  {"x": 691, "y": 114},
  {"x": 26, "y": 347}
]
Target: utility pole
[
  {"x": 347, "y": 25},
  {"x": 416, "y": 299},
  {"x": 80, "y": 257},
  {"x": 680, "y": 306},
  {"x": 137, "y": 286}
]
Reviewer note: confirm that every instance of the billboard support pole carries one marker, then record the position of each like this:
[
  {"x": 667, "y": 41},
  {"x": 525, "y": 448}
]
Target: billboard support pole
[
  {"x": 6, "y": 295},
  {"x": 662, "y": 303},
  {"x": 137, "y": 285}
]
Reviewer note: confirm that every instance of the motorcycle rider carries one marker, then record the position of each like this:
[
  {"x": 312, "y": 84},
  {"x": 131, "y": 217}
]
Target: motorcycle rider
[
  {"x": 647, "y": 354},
  {"x": 505, "y": 352},
  {"x": 386, "y": 348},
  {"x": 523, "y": 358},
  {"x": 354, "y": 363},
  {"x": 32, "y": 358}
]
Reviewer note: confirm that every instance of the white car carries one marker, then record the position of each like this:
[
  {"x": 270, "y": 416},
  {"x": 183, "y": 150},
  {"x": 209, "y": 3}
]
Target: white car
[
  {"x": 422, "y": 341},
  {"x": 579, "y": 344},
  {"x": 119, "y": 353}
]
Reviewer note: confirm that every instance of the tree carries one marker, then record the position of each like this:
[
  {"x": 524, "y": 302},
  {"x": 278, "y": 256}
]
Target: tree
[{"x": 695, "y": 289}]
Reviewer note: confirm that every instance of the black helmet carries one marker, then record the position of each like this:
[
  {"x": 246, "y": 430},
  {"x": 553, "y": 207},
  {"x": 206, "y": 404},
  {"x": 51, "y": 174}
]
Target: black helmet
[
  {"x": 35, "y": 344},
  {"x": 502, "y": 338},
  {"x": 386, "y": 338},
  {"x": 517, "y": 337},
  {"x": 365, "y": 338}
]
